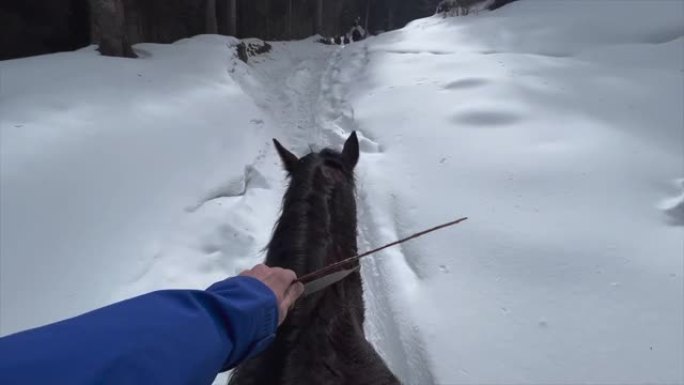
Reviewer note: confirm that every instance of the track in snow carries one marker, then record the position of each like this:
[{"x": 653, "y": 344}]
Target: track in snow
[{"x": 302, "y": 86}]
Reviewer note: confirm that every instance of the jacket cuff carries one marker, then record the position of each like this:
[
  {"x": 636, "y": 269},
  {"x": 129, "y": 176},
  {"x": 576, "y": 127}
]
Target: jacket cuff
[
  {"x": 252, "y": 321},
  {"x": 267, "y": 321}
]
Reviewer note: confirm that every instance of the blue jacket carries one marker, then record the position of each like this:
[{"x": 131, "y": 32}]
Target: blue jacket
[{"x": 166, "y": 337}]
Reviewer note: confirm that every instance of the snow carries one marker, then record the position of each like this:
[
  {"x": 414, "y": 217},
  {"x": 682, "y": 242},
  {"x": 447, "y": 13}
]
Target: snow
[
  {"x": 102, "y": 159},
  {"x": 556, "y": 127}
]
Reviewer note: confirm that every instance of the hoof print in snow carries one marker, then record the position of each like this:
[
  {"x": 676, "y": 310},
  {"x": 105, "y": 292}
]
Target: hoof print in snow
[
  {"x": 486, "y": 118},
  {"x": 674, "y": 207},
  {"x": 210, "y": 248},
  {"x": 228, "y": 239},
  {"x": 467, "y": 83},
  {"x": 252, "y": 47}
]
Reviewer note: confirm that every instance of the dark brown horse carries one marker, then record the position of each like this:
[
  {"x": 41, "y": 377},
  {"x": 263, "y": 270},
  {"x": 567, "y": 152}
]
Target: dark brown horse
[{"x": 322, "y": 342}]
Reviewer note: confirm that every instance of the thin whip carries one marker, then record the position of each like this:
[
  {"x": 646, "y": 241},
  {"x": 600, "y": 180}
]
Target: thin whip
[{"x": 330, "y": 268}]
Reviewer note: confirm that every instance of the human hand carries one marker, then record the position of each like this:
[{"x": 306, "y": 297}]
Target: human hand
[{"x": 282, "y": 283}]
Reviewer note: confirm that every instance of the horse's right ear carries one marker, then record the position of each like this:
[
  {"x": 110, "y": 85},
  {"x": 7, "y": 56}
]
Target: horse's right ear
[
  {"x": 350, "y": 152},
  {"x": 289, "y": 159}
]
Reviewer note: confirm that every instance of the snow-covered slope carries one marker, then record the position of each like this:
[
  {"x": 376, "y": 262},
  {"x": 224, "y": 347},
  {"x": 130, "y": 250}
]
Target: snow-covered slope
[
  {"x": 104, "y": 159},
  {"x": 555, "y": 126},
  {"x": 558, "y": 128}
]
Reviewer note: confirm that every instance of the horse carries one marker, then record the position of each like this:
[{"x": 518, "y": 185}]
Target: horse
[{"x": 322, "y": 341}]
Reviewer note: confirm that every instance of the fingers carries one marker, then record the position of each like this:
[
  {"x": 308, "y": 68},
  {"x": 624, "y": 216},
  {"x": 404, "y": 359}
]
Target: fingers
[
  {"x": 292, "y": 294},
  {"x": 282, "y": 279},
  {"x": 281, "y": 282}
]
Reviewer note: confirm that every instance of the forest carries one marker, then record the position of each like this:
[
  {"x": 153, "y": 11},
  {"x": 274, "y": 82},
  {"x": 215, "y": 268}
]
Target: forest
[{"x": 32, "y": 27}]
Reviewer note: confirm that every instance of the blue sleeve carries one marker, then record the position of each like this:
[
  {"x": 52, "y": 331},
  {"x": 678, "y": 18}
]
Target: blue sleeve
[{"x": 165, "y": 337}]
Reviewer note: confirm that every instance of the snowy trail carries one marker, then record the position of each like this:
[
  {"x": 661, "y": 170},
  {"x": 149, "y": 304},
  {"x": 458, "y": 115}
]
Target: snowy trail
[
  {"x": 555, "y": 126},
  {"x": 388, "y": 327},
  {"x": 302, "y": 86},
  {"x": 288, "y": 88}
]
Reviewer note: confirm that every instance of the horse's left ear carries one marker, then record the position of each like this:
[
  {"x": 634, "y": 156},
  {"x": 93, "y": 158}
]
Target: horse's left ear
[
  {"x": 350, "y": 152},
  {"x": 289, "y": 159}
]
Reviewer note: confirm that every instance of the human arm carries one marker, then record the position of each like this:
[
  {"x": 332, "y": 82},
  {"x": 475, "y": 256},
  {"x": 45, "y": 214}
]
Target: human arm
[{"x": 165, "y": 337}]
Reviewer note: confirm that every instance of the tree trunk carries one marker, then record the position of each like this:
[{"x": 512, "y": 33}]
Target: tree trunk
[
  {"x": 268, "y": 20},
  {"x": 319, "y": 17},
  {"x": 232, "y": 23},
  {"x": 211, "y": 22},
  {"x": 365, "y": 24},
  {"x": 109, "y": 28},
  {"x": 289, "y": 19}
]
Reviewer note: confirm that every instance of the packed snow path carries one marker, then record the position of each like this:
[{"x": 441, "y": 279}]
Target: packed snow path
[{"x": 303, "y": 87}]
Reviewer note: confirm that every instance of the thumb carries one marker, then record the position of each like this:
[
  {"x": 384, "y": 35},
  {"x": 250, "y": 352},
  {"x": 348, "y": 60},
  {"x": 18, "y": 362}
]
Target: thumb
[
  {"x": 291, "y": 295},
  {"x": 298, "y": 288}
]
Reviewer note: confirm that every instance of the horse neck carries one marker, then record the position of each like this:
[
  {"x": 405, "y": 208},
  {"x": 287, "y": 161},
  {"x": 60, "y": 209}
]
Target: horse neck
[{"x": 317, "y": 226}]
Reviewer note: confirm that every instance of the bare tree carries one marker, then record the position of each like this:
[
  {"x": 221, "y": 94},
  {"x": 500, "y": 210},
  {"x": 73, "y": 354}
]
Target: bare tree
[
  {"x": 210, "y": 18},
  {"x": 289, "y": 19},
  {"x": 232, "y": 20},
  {"x": 268, "y": 20},
  {"x": 226, "y": 17},
  {"x": 390, "y": 17},
  {"x": 429, "y": 5},
  {"x": 319, "y": 16},
  {"x": 368, "y": 6},
  {"x": 109, "y": 28}
]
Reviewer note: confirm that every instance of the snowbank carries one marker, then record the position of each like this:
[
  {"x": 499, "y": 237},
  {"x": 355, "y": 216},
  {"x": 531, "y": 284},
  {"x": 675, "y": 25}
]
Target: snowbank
[
  {"x": 558, "y": 128},
  {"x": 104, "y": 159}
]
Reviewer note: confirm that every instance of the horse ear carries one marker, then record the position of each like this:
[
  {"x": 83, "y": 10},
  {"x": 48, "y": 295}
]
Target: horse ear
[
  {"x": 289, "y": 159},
  {"x": 350, "y": 152}
]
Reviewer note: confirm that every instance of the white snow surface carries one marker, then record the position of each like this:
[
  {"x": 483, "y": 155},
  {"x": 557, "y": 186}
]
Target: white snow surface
[{"x": 556, "y": 127}]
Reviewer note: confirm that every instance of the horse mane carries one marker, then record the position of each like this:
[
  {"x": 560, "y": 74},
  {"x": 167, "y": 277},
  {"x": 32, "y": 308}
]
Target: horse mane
[
  {"x": 322, "y": 340},
  {"x": 321, "y": 184}
]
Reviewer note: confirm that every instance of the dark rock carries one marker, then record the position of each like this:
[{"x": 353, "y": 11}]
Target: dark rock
[
  {"x": 252, "y": 47},
  {"x": 242, "y": 52}
]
